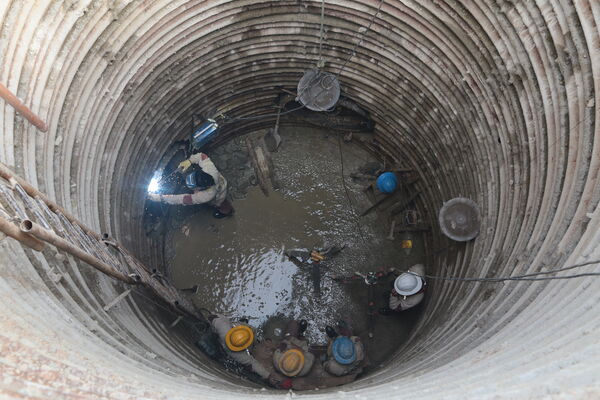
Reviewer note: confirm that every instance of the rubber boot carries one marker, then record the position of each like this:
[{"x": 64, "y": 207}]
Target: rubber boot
[
  {"x": 302, "y": 327},
  {"x": 331, "y": 332},
  {"x": 224, "y": 210},
  {"x": 219, "y": 215}
]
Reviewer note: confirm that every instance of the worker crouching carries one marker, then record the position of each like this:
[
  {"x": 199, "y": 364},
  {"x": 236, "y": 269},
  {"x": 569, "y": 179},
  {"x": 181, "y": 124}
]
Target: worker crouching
[
  {"x": 293, "y": 358},
  {"x": 237, "y": 343},
  {"x": 408, "y": 291},
  {"x": 206, "y": 183},
  {"x": 345, "y": 353}
]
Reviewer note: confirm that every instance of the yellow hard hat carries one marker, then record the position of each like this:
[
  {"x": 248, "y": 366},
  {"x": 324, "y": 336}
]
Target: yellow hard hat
[
  {"x": 291, "y": 362},
  {"x": 239, "y": 338}
]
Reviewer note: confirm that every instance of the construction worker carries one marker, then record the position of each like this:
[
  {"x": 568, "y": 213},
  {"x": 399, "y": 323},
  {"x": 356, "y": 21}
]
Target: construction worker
[
  {"x": 206, "y": 184},
  {"x": 345, "y": 353},
  {"x": 408, "y": 291},
  {"x": 237, "y": 342},
  {"x": 293, "y": 358}
]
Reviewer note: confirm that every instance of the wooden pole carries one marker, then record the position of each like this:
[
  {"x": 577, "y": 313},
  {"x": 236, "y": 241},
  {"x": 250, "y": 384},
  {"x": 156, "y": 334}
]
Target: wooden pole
[{"x": 22, "y": 109}]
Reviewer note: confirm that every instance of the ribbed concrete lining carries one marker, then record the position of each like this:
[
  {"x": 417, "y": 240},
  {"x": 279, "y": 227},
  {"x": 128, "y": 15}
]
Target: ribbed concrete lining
[{"x": 496, "y": 101}]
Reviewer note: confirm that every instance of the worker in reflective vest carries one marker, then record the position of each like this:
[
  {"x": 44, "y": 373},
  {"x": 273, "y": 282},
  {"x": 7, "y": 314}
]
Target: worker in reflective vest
[{"x": 205, "y": 182}]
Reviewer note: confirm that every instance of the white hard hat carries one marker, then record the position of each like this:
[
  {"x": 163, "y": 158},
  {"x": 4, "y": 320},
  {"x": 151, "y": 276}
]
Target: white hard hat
[{"x": 408, "y": 284}]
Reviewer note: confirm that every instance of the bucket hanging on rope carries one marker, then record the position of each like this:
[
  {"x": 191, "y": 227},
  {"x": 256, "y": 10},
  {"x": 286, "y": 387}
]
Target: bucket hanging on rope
[{"x": 318, "y": 90}]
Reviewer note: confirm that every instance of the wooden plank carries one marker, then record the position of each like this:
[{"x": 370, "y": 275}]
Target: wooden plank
[{"x": 260, "y": 164}]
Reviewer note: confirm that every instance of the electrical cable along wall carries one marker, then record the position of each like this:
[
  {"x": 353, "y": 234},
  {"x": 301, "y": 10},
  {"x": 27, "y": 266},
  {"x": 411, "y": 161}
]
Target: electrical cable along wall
[{"x": 492, "y": 100}]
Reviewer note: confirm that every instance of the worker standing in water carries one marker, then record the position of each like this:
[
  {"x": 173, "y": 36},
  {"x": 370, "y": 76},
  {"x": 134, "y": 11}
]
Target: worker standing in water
[
  {"x": 293, "y": 358},
  {"x": 237, "y": 342},
  {"x": 345, "y": 353},
  {"x": 206, "y": 184},
  {"x": 408, "y": 291}
]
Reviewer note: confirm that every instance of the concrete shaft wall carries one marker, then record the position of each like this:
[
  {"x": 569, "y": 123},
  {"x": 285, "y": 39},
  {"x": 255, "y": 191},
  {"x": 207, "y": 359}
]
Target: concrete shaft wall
[{"x": 493, "y": 100}]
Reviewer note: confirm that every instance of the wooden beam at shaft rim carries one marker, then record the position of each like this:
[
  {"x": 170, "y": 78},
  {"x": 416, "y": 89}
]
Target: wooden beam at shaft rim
[
  {"x": 45, "y": 235},
  {"x": 22, "y": 108}
]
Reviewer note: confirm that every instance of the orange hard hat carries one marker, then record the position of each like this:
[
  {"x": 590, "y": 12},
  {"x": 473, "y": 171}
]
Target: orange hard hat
[
  {"x": 239, "y": 338},
  {"x": 291, "y": 362}
]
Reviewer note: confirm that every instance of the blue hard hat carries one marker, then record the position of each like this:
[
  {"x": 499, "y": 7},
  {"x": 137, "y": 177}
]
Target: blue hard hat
[
  {"x": 387, "y": 182},
  {"x": 343, "y": 350}
]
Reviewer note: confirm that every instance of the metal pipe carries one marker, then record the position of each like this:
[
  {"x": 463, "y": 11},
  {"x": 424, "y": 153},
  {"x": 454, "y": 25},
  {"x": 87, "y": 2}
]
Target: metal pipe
[
  {"x": 10, "y": 229},
  {"x": 30, "y": 227},
  {"x": 22, "y": 108}
]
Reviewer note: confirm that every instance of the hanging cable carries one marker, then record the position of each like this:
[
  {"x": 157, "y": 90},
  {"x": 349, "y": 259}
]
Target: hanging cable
[
  {"x": 229, "y": 120},
  {"x": 359, "y": 42},
  {"x": 350, "y": 203},
  {"x": 526, "y": 277},
  {"x": 321, "y": 62},
  {"x": 352, "y": 53}
]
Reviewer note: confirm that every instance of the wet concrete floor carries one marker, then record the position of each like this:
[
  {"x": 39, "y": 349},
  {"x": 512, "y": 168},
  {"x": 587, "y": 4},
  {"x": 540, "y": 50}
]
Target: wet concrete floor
[{"x": 239, "y": 262}]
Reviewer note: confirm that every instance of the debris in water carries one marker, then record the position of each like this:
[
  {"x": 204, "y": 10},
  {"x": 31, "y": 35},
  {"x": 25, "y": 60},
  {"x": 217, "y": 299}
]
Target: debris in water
[{"x": 185, "y": 230}]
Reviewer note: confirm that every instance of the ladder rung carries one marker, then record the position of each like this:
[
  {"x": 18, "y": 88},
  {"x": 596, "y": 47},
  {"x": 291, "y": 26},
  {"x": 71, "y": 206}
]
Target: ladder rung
[
  {"x": 52, "y": 218},
  {"x": 105, "y": 252},
  {"x": 73, "y": 235},
  {"x": 92, "y": 248},
  {"x": 12, "y": 201},
  {"x": 90, "y": 242},
  {"x": 62, "y": 221},
  {"x": 31, "y": 205}
]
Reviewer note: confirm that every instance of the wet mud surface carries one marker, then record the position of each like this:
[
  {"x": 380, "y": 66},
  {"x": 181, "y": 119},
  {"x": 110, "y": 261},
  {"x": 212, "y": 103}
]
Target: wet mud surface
[{"x": 239, "y": 263}]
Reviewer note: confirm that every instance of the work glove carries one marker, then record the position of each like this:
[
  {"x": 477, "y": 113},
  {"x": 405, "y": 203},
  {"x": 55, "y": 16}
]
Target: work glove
[
  {"x": 184, "y": 165},
  {"x": 316, "y": 256},
  {"x": 286, "y": 384}
]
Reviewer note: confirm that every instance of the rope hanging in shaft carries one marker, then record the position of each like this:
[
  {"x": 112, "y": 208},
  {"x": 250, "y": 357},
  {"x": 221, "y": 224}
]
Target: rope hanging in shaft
[
  {"x": 328, "y": 83},
  {"x": 359, "y": 42},
  {"x": 321, "y": 62}
]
